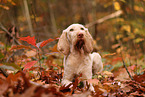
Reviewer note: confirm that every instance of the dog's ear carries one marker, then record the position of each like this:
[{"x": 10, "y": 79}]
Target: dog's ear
[
  {"x": 88, "y": 42},
  {"x": 63, "y": 44}
]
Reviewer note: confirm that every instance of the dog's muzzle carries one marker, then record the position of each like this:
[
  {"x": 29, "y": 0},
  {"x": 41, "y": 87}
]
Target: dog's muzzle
[{"x": 80, "y": 43}]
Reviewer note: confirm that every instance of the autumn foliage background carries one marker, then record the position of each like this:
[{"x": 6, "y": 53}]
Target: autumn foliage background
[{"x": 30, "y": 64}]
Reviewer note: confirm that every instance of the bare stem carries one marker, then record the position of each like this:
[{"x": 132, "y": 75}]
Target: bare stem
[
  {"x": 124, "y": 63},
  {"x": 126, "y": 68},
  {"x": 39, "y": 63}
]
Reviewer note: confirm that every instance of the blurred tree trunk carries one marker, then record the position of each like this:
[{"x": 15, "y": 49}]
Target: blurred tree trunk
[
  {"x": 52, "y": 18},
  {"x": 28, "y": 18},
  {"x": 84, "y": 10},
  {"x": 12, "y": 15},
  {"x": 94, "y": 4},
  {"x": 15, "y": 12}
]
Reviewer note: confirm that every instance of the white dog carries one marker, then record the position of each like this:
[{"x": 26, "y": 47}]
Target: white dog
[{"x": 76, "y": 44}]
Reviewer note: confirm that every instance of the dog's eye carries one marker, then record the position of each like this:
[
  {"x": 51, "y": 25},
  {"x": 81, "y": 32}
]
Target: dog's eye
[
  {"x": 82, "y": 28},
  {"x": 71, "y": 30}
]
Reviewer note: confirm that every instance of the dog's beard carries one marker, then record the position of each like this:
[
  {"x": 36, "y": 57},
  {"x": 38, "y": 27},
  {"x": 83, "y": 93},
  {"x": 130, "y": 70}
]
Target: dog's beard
[{"x": 79, "y": 44}]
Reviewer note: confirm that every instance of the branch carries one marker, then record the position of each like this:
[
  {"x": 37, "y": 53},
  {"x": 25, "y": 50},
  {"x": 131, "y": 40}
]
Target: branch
[
  {"x": 113, "y": 15},
  {"x": 4, "y": 29}
]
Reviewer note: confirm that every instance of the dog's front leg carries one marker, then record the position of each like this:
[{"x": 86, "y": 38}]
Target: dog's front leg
[
  {"x": 86, "y": 75},
  {"x": 68, "y": 76}
]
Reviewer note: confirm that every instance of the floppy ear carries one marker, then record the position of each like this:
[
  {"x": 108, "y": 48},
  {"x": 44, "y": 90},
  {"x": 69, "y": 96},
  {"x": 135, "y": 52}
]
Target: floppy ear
[
  {"x": 63, "y": 44},
  {"x": 88, "y": 42}
]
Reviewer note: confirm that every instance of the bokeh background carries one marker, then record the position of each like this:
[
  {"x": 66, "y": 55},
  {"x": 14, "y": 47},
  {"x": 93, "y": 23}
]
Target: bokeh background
[{"x": 117, "y": 26}]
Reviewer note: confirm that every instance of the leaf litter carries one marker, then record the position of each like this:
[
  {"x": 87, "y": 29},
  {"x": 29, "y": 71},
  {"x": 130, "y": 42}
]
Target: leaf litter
[
  {"x": 26, "y": 81},
  {"x": 19, "y": 85}
]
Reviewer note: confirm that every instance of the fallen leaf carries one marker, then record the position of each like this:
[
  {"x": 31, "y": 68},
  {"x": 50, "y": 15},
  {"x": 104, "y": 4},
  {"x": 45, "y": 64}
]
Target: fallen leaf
[
  {"x": 139, "y": 78},
  {"x": 29, "y": 65},
  {"x": 12, "y": 79},
  {"x": 93, "y": 81},
  {"x": 28, "y": 93},
  {"x": 107, "y": 73},
  {"x": 30, "y": 53},
  {"x": 3, "y": 84}
]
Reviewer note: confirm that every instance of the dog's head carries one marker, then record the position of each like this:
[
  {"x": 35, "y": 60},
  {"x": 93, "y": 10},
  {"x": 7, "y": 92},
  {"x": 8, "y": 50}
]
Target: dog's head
[{"x": 75, "y": 36}]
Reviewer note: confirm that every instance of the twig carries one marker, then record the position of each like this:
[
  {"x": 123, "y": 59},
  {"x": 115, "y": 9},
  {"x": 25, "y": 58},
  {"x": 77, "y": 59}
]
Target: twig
[
  {"x": 124, "y": 62},
  {"x": 113, "y": 15},
  {"x": 10, "y": 57},
  {"x": 126, "y": 68},
  {"x": 3, "y": 72},
  {"x": 4, "y": 29}
]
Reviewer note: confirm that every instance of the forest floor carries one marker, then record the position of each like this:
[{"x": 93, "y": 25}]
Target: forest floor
[{"x": 28, "y": 72}]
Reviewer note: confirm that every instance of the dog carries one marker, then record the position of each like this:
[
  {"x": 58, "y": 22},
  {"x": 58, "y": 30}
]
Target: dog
[{"x": 76, "y": 44}]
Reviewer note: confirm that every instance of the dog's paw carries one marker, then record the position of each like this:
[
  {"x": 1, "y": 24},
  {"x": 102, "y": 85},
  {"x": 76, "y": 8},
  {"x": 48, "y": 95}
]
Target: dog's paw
[
  {"x": 91, "y": 88},
  {"x": 67, "y": 83}
]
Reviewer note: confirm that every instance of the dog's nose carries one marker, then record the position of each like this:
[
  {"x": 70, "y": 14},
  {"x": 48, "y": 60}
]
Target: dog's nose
[{"x": 80, "y": 35}]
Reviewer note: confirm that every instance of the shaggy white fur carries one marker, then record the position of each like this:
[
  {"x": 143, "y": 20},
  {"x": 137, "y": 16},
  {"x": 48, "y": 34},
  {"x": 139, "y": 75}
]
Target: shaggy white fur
[{"x": 76, "y": 44}]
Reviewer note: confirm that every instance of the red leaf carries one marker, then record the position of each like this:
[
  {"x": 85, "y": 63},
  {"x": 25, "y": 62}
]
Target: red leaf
[
  {"x": 30, "y": 40},
  {"x": 20, "y": 47},
  {"x": 29, "y": 65},
  {"x": 46, "y": 42}
]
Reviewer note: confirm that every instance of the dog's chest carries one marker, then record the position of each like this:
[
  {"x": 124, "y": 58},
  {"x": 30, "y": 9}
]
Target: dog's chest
[{"x": 78, "y": 63}]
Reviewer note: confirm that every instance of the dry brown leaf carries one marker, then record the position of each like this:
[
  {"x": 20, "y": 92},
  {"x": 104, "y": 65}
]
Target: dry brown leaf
[
  {"x": 30, "y": 53},
  {"x": 3, "y": 84},
  {"x": 93, "y": 81}
]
